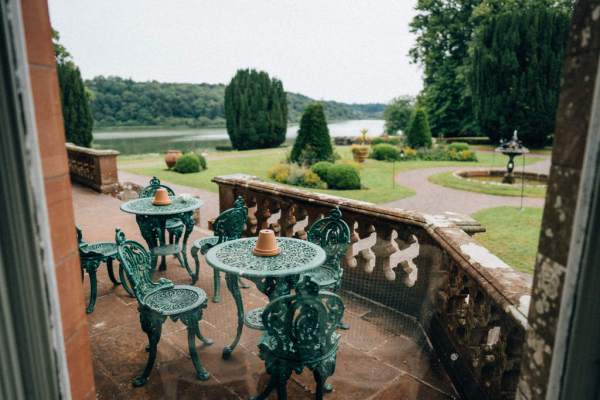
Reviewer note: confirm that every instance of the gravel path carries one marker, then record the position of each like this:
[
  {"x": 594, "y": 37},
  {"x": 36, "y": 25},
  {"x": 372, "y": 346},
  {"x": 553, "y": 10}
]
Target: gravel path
[{"x": 434, "y": 199}]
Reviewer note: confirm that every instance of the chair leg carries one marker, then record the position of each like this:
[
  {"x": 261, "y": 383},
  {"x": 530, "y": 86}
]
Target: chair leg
[
  {"x": 111, "y": 273},
  {"x": 205, "y": 340},
  {"x": 282, "y": 389},
  {"x": 265, "y": 393},
  {"x": 196, "y": 275},
  {"x": 320, "y": 381},
  {"x": 201, "y": 373},
  {"x": 217, "y": 286},
  {"x": 343, "y": 326},
  {"x": 93, "y": 290},
  {"x": 153, "y": 330}
]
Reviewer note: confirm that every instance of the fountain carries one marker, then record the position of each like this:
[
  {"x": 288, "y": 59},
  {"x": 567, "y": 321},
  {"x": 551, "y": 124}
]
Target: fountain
[{"x": 511, "y": 148}]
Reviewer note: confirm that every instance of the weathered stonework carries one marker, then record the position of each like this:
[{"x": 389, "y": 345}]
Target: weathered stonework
[
  {"x": 472, "y": 304},
  {"x": 573, "y": 117},
  {"x": 94, "y": 168}
]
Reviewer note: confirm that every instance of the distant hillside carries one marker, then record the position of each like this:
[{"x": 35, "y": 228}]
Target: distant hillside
[{"x": 124, "y": 102}]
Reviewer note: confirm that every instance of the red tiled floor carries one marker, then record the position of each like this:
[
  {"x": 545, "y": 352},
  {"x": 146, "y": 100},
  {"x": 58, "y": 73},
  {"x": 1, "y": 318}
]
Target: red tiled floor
[{"x": 376, "y": 359}]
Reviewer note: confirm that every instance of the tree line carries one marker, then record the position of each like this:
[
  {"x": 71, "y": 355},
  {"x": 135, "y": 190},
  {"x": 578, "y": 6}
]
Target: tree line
[
  {"x": 118, "y": 101},
  {"x": 489, "y": 67}
]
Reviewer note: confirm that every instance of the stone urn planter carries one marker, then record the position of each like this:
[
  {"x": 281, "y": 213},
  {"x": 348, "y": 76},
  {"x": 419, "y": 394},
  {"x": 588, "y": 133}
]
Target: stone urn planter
[
  {"x": 360, "y": 153},
  {"x": 171, "y": 157}
]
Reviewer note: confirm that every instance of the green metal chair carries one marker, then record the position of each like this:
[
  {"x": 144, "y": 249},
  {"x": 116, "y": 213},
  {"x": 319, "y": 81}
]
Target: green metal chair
[
  {"x": 91, "y": 256},
  {"x": 173, "y": 226},
  {"x": 229, "y": 225},
  {"x": 333, "y": 235},
  {"x": 160, "y": 300},
  {"x": 300, "y": 332}
]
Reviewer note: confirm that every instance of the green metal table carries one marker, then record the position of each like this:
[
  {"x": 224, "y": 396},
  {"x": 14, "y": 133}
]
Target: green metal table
[
  {"x": 274, "y": 276},
  {"x": 152, "y": 221}
]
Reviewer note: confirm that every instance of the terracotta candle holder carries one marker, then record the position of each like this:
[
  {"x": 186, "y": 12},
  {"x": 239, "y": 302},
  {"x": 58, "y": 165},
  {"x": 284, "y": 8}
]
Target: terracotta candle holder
[
  {"x": 161, "y": 197},
  {"x": 266, "y": 245}
]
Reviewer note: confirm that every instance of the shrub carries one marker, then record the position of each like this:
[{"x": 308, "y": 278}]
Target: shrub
[
  {"x": 438, "y": 153},
  {"x": 419, "y": 134},
  {"x": 202, "y": 159},
  {"x": 280, "y": 173},
  {"x": 313, "y": 143},
  {"x": 187, "y": 163},
  {"x": 409, "y": 153},
  {"x": 385, "y": 152},
  {"x": 343, "y": 177},
  {"x": 395, "y": 140},
  {"x": 458, "y": 146},
  {"x": 294, "y": 174},
  {"x": 464, "y": 155},
  {"x": 321, "y": 169}
]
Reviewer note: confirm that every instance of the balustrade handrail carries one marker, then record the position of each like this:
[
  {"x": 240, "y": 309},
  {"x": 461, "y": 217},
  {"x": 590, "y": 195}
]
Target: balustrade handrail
[
  {"x": 93, "y": 168},
  {"x": 479, "y": 303}
]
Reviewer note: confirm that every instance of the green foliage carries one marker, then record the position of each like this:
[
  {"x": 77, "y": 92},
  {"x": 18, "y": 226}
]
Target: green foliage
[
  {"x": 187, "y": 163},
  {"x": 419, "y": 134},
  {"x": 442, "y": 153},
  {"x": 515, "y": 76},
  {"x": 322, "y": 169},
  {"x": 334, "y": 110},
  {"x": 343, "y": 177},
  {"x": 202, "y": 159},
  {"x": 397, "y": 114},
  {"x": 255, "y": 110},
  {"x": 313, "y": 143},
  {"x": 385, "y": 152},
  {"x": 458, "y": 146},
  {"x": 396, "y": 141},
  {"x": 294, "y": 174},
  {"x": 77, "y": 117}
]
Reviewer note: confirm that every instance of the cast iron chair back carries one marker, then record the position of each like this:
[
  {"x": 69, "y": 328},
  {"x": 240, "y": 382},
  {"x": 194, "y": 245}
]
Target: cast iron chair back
[
  {"x": 136, "y": 261},
  {"x": 229, "y": 225},
  {"x": 332, "y": 233},
  {"x": 154, "y": 185},
  {"x": 303, "y": 325}
]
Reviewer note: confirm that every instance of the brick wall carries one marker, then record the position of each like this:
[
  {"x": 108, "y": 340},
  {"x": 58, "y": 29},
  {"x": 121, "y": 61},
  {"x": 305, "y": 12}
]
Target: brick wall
[{"x": 51, "y": 137}]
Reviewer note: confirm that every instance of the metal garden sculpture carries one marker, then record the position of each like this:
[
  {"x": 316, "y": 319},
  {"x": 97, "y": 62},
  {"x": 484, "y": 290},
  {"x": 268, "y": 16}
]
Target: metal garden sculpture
[
  {"x": 91, "y": 256},
  {"x": 160, "y": 300},
  {"x": 229, "y": 225},
  {"x": 300, "y": 333},
  {"x": 174, "y": 226},
  {"x": 333, "y": 235}
]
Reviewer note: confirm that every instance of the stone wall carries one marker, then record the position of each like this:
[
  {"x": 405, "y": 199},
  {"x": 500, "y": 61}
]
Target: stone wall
[
  {"x": 472, "y": 305},
  {"x": 96, "y": 169}
]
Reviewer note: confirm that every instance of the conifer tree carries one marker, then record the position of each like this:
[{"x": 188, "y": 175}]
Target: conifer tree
[
  {"x": 77, "y": 116},
  {"x": 255, "y": 110},
  {"x": 419, "y": 133},
  {"x": 313, "y": 143},
  {"x": 515, "y": 73}
]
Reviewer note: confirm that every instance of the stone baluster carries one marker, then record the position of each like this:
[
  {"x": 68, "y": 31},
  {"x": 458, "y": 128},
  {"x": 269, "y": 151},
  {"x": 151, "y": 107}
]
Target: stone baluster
[
  {"x": 287, "y": 219},
  {"x": 365, "y": 258},
  {"x": 383, "y": 248}
]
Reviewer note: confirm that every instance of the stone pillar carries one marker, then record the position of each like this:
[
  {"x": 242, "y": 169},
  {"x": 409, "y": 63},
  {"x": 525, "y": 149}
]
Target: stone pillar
[{"x": 572, "y": 123}]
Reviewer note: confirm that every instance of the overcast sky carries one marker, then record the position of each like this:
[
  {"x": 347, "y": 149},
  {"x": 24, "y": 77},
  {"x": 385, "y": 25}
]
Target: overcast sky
[{"x": 345, "y": 50}]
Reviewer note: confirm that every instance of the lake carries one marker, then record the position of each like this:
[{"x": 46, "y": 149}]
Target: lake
[{"x": 161, "y": 140}]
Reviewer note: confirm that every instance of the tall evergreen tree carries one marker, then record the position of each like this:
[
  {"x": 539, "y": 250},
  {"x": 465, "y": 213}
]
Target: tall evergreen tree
[
  {"x": 515, "y": 72},
  {"x": 419, "y": 133},
  {"x": 77, "y": 115},
  {"x": 313, "y": 143},
  {"x": 255, "y": 110}
]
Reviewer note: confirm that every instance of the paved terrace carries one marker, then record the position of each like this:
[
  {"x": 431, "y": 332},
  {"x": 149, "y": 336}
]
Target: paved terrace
[{"x": 381, "y": 357}]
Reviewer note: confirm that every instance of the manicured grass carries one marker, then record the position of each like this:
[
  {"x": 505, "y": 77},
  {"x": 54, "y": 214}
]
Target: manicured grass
[
  {"x": 447, "y": 179},
  {"x": 512, "y": 234},
  {"x": 376, "y": 176}
]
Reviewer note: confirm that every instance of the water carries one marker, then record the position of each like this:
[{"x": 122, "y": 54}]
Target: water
[{"x": 161, "y": 140}]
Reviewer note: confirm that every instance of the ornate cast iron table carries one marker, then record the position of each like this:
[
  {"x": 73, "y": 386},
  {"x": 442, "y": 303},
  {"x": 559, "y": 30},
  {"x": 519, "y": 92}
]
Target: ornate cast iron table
[
  {"x": 152, "y": 220},
  {"x": 274, "y": 276}
]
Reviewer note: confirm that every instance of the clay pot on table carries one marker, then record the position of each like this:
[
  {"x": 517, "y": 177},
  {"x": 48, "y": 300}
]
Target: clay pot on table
[
  {"x": 266, "y": 244},
  {"x": 161, "y": 197},
  {"x": 171, "y": 157}
]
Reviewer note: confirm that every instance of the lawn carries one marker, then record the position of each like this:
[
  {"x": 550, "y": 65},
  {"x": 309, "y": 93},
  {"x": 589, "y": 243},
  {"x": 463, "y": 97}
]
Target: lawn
[
  {"x": 448, "y": 179},
  {"x": 512, "y": 234},
  {"x": 376, "y": 176}
]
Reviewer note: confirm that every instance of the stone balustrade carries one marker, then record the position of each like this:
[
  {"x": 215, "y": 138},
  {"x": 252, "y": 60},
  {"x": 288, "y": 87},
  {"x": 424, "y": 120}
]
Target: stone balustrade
[
  {"x": 93, "y": 168},
  {"x": 472, "y": 306}
]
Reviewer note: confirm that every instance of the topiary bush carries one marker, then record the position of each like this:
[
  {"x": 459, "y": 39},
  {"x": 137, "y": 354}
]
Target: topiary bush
[
  {"x": 385, "y": 152},
  {"x": 419, "y": 134},
  {"x": 322, "y": 169},
  {"x": 202, "y": 159},
  {"x": 187, "y": 164},
  {"x": 343, "y": 177},
  {"x": 313, "y": 143}
]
